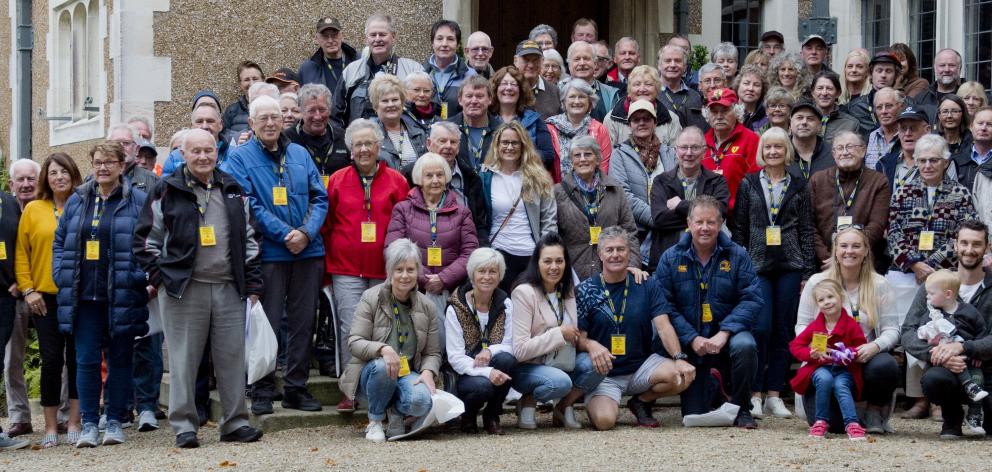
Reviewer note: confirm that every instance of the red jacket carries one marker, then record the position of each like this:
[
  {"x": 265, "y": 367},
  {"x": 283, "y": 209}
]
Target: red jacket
[
  {"x": 846, "y": 331},
  {"x": 455, "y": 235},
  {"x": 737, "y": 157},
  {"x": 345, "y": 253}
]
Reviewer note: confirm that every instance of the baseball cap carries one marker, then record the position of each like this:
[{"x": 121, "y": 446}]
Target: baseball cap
[
  {"x": 328, "y": 22},
  {"x": 772, "y": 35},
  {"x": 913, "y": 113},
  {"x": 814, "y": 37},
  {"x": 640, "y": 105},
  {"x": 725, "y": 96},
  {"x": 808, "y": 105},
  {"x": 144, "y": 144},
  {"x": 528, "y": 46},
  {"x": 284, "y": 75}
]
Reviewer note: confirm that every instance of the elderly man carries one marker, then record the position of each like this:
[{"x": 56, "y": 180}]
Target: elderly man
[
  {"x": 351, "y": 97},
  {"x": 814, "y": 52},
  {"x": 143, "y": 126},
  {"x": 898, "y": 165},
  {"x": 691, "y": 77},
  {"x": 480, "y": 52},
  {"x": 712, "y": 77},
  {"x": 889, "y": 103},
  {"x": 529, "y": 59},
  {"x": 285, "y": 79},
  {"x": 970, "y": 160},
  {"x": 147, "y": 155},
  {"x": 771, "y": 43},
  {"x": 812, "y": 153},
  {"x": 604, "y": 60},
  {"x": 674, "y": 190},
  {"x": 940, "y": 383},
  {"x": 884, "y": 69},
  {"x": 268, "y": 167},
  {"x": 850, "y": 193},
  {"x": 127, "y": 136},
  {"x": 626, "y": 56},
  {"x": 585, "y": 29},
  {"x": 327, "y": 63},
  {"x": 476, "y": 123},
  {"x": 207, "y": 118},
  {"x": 675, "y": 92},
  {"x": 323, "y": 139},
  {"x": 581, "y": 65},
  {"x": 731, "y": 147},
  {"x": 947, "y": 79},
  {"x": 711, "y": 294},
  {"x": 616, "y": 318},
  {"x": 200, "y": 246}
]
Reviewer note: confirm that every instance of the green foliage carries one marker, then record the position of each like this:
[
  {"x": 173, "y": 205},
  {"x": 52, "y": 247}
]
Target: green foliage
[
  {"x": 4, "y": 177},
  {"x": 700, "y": 56},
  {"x": 32, "y": 365}
]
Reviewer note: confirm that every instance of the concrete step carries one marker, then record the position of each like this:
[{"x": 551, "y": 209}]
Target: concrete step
[{"x": 324, "y": 389}]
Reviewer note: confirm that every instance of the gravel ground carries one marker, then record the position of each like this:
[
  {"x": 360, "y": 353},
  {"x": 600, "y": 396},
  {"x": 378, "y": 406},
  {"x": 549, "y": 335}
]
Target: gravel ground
[{"x": 778, "y": 444}]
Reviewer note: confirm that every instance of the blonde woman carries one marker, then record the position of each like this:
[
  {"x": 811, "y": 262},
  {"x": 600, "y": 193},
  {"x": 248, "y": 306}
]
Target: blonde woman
[
  {"x": 973, "y": 94},
  {"x": 855, "y": 82},
  {"x": 643, "y": 83},
  {"x": 405, "y": 140}
]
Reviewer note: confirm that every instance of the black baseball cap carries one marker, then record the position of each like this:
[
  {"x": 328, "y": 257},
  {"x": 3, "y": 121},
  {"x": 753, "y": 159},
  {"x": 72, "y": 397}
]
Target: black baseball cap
[
  {"x": 284, "y": 75},
  {"x": 772, "y": 35},
  {"x": 528, "y": 46},
  {"x": 328, "y": 22},
  {"x": 806, "y": 104},
  {"x": 913, "y": 113}
]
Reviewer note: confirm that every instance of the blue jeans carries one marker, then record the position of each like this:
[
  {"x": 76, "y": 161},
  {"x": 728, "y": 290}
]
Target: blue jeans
[
  {"x": 830, "y": 382},
  {"x": 382, "y": 391},
  {"x": 584, "y": 376},
  {"x": 740, "y": 353},
  {"x": 775, "y": 328},
  {"x": 147, "y": 372},
  {"x": 92, "y": 343},
  {"x": 545, "y": 383}
]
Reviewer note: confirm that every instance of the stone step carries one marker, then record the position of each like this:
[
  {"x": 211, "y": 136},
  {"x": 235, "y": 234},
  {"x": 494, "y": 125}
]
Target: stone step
[{"x": 324, "y": 389}]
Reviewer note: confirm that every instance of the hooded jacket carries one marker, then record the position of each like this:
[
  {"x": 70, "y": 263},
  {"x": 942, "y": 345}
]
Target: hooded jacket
[
  {"x": 351, "y": 96},
  {"x": 316, "y": 70}
]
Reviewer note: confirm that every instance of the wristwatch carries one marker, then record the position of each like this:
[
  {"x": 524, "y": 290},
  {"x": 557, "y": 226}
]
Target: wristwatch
[{"x": 680, "y": 357}]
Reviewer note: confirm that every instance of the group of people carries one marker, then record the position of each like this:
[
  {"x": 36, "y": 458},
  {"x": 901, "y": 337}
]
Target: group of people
[{"x": 579, "y": 228}]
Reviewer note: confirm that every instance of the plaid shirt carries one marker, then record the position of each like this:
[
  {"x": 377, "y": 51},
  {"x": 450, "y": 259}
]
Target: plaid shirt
[
  {"x": 877, "y": 148},
  {"x": 910, "y": 215}
]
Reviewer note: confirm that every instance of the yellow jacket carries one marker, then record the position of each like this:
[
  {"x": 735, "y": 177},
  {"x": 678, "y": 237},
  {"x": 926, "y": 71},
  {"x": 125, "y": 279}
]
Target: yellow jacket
[{"x": 33, "y": 260}]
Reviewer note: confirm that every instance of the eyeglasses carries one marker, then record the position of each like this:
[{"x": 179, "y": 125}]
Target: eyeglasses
[
  {"x": 777, "y": 106},
  {"x": 694, "y": 148},
  {"x": 364, "y": 145},
  {"x": 510, "y": 144},
  {"x": 269, "y": 118},
  {"x": 419, "y": 91},
  {"x": 846, "y": 148},
  {"x": 603, "y": 59},
  {"x": 950, "y": 112},
  {"x": 928, "y": 161},
  {"x": 105, "y": 164},
  {"x": 480, "y": 50},
  {"x": 508, "y": 83}
]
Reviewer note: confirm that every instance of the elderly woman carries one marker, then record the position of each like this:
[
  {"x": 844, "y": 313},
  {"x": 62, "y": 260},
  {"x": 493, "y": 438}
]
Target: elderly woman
[
  {"x": 711, "y": 78},
  {"x": 577, "y": 99},
  {"x": 102, "y": 298},
  {"x": 759, "y": 59},
  {"x": 778, "y": 107},
  {"x": 479, "y": 341},
  {"x": 923, "y": 221},
  {"x": 973, "y": 94},
  {"x": 289, "y": 104},
  {"x": 395, "y": 348},
  {"x": 360, "y": 201},
  {"x": 32, "y": 258},
  {"x": 870, "y": 300},
  {"x": 635, "y": 164},
  {"x": 422, "y": 105},
  {"x": 953, "y": 122},
  {"x": 515, "y": 102},
  {"x": 545, "y": 36},
  {"x": 404, "y": 139},
  {"x": 789, "y": 71},
  {"x": 751, "y": 87},
  {"x": 825, "y": 90},
  {"x": 589, "y": 200},
  {"x": 518, "y": 193},
  {"x": 773, "y": 221},
  {"x": 545, "y": 336},
  {"x": 440, "y": 224},
  {"x": 909, "y": 80},
  {"x": 643, "y": 84},
  {"x": 725, "y": 56},
  {"x": 855, "y": 81},
  {"x": 553, "y": 68}
]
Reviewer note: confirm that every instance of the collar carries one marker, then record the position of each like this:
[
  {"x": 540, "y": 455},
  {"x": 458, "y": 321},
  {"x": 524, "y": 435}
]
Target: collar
[
  {"x": 980, "y": 158},
  {"x": 540, "y": 84},
  {"x": 444, "y": 70},
  {"x": 682, "y": 87}
]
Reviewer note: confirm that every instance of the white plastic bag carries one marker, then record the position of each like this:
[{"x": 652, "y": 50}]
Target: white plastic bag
[
  {"x": 261, "y": 346},
  {"x": 444, "y": 407}
]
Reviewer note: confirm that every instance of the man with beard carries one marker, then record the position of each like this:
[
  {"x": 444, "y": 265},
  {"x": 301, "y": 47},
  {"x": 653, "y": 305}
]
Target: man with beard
[
  {"x": 947, "y": 78},
  {"x": 811, "y": 152}
]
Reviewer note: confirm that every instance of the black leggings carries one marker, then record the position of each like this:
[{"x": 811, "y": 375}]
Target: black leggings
[
  {"x": 515, "y": 265},
  {"x": 57, "y": 351}
]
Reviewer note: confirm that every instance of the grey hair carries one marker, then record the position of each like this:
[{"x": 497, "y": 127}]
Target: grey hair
[
  {"x": 408, "y": 80},
  {"x": 485, "y": 257},
  {"x": 313, "y": 92},
  {"x": 683, "y": 52},
  {"x": 176, "y": 141},
  {"x": 447, "y": 126},
  {"x": 779, "y": 93},
  {"x": 857, "y": 136},
  {"x": 899, "y": 94},
  {"x": 380, "y": 17},
  {"x": 359, "y": 125},
  {"x": 290, "y": 95},
  {"x": 711, "y": 67},
  {"x": 578, "y": 44},
  {"x": 690, "y": 130},
  {"x": 723, "y": 50},
  {"x": 259, "y": 89},
  {"x": 143, "y": 120},
  {"x": 582, "y": 86},
  {"x": 554, "y": 56},
  {"x": 429, "y": 158},
  {"x": 586, "y": 142},
  {"x": 544, "y": 29},
  {"x": 20, "y": 162},
  {"x": 400, "y": 251},
  {"x": 933, "y": 142},
  {"x": 627, "y": 39},
  {"x": 186, "y": 135},
  {"x": 261, "y": 102},
  {"x": 613, "y": 232},
  {"x": 130, "y": 129},
  {"x": 738, "y": 111}
]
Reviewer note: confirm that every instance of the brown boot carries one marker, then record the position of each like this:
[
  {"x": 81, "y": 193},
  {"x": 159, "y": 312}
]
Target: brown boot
[{"x": 919, "y": 411}]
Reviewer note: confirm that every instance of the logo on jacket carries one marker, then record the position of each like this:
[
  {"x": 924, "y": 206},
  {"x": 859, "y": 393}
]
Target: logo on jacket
[
  {"x": 735, "y": 149},
  {"x": 725, "y": 266},
  {"x": 683, "y": 268}
]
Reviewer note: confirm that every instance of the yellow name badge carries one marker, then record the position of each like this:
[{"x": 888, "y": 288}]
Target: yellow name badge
[
  {"x": 594, "y": 234},
  {"x": 618, "y": 345},
  {"x": 207, "y": 236},
  {"x": 326, "y": 179},
  {"x": 845, "y": 220},
  {"x": 368, "y": 231},
  {"x": 434, "y": 257},
  {"x": 93, "y": 250},
  {"x": 444, "y": 110},
  {"x": 3, "y": 250},
  {"x": 773, "y": 235},
  {"x": 926, "y": 240},
  {"x": 819, "y": 343},
  {"x": 707, "y": 313},
  {"x": 404, "y": 366},
  {"x": 279, "y": 196}
]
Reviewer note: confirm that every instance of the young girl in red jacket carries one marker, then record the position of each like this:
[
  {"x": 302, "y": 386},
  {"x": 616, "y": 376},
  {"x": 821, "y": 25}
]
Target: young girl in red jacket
[{"x": 827, "y": 347}]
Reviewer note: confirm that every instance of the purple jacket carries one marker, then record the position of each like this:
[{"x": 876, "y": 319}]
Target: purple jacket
[{"x": 455, "y": 235}]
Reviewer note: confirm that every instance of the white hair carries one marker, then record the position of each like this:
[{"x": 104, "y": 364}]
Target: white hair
[
  {"x": 933, "y": 143},
  {"x": 400, "y": 251},
  {"x": 446, "y": 126},
  {"x": 263, "y": 102},
  {"x": 576, "y": 45},
  {"x": 23, "y": 162},
  {"x": 480, "y": 36},
  {"x": 428, "y": 159},
  {"x": 359, "y": 125},
  {"x": 131, "y": 129},
  {"x": 259, "y": 89},
  {"x": 421, "y": 75},
  {"x": 738, "y": 112},
  {"x": 485, "y": 257},
  {"x": 380, "y": 17},
  {"x": 553, "y": 56},
  {"x": 190, "y": 133}
]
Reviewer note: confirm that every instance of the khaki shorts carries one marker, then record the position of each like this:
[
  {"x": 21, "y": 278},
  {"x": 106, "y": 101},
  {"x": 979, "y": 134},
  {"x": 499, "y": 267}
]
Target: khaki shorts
[{"x": 632, "y": 384}]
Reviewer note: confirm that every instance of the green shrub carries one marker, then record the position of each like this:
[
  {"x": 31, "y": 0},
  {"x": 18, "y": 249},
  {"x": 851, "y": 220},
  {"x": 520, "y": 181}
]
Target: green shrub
[
  {"x": 700, "y": 56},
  {"x": 32, "y": 365}
]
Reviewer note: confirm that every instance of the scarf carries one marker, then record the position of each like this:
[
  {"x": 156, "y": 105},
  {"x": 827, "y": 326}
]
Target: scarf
[
  {"x": 648, "y": 148},
  {"x": 588, "y": 189},
  {"x": 566, "y": 133}
]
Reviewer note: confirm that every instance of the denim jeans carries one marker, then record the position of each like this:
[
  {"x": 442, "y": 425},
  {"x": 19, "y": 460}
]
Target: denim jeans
[
  {"x": 544, "y": 382},
  {"x": 476, "y": 391},
  {"x": 775, "y": 328},
  {"x": 740, "y": 353},
  {"x": 382, "y": 391},
  {"x": 584, "y": 376},
  {"x": 834, "y": 381},
  {"x": 147, "y": 372},
  {"x": 92, "y": 343}
]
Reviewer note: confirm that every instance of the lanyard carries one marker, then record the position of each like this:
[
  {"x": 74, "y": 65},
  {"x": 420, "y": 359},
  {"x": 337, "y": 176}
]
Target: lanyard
[
  {"x": 560, "y": 312},
  {"x": 805, "y": 167},
  {"x": 201, "y": 208},
  {"x": 847, "y": 202},
  {"x": 671, "y": 100},
  {"x": 402, "y": 329},
  {"x": 704, "y": 284},
  {"x": 900, "y": 181},
  {"x": 330, "y": 67},
  {"x": 433, "y": 218},
  {"x": 98, "y": 208},
  {"x": 367, "y": 188},
  {"x": 617, "y": 316},
  {"x": 476, "y": 150},
  {"x": 488, "y": 328},
  {"x": 315, "y": 152},
  {"x": 772, "y": 203},
  {"x": 718, "y": 157},
  {"x": 686, "y": 184}
]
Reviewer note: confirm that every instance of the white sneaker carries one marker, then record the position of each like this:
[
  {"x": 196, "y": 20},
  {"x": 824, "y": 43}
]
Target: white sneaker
[
  {"x": 567, "y": 418},
  {"x": 720, "y": 417},
  {"x": 756, "y": 410},
  {"x": 526, "y": 417},
  {"x": 374, "y": 432},
  {"x": 147, "y": 421},
  {"x": 776, "y": 407}
]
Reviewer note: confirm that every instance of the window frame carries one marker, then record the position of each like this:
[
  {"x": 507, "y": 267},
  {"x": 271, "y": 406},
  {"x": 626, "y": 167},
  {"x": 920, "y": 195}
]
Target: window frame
[
  {"x": 876, "y": 31},
  {"x": 728, "y": 8},
  {"x": 972, "y": 59},
  {"x": 77, "y": 71}
]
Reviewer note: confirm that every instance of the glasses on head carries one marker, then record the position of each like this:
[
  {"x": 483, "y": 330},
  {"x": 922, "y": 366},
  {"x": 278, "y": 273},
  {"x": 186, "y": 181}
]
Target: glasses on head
[
  {"x": 847, "y": 148},
  {"x": 950, "y": 112},
  {"x": 695, "y": 149},
  {"x": 105, "y": 164}
]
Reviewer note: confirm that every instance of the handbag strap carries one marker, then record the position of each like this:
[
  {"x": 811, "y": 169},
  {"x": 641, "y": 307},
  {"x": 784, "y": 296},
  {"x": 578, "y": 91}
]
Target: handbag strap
[{"x": 505, "y": 219}]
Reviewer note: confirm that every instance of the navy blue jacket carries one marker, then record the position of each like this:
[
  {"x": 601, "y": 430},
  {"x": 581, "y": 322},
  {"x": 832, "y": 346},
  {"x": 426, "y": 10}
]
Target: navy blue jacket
[
  {"x": 733, "y": 292},
  {"x": 316, "y": 71},
  {"x": 127, "y": 297}
]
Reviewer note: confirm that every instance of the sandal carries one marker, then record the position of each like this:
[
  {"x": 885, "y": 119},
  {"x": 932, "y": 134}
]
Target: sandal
[
  {"x": 72, "y": 437},
  {"x": 50, "y": 440}
]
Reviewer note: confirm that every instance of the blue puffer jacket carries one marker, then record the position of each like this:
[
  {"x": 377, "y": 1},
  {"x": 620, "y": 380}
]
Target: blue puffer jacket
[
  {"x": 733, "y": 293},
  {"x": 128, "y": 298},
  {"x": 255, "y": 169}
]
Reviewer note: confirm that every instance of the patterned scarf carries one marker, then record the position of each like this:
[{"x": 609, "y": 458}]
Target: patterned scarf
[
  {"x": 566, "y": 133},
  {"x": 648, "y": 149}
]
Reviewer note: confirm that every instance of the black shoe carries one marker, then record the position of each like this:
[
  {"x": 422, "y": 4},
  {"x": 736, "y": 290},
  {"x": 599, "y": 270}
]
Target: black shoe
[
  {"x": 327, "y": 369},
  {"x": 745, "y": 420},
  {"x": 159, "y": 414},
  {"x": 642, "y": 411},
  {"x": 951, "y": 432},
  {"x": 300, "y": 399},
  {"x": 244, "y": 434},
  {"x": 187, "y": 440},
  {"x": 259, "y": 407},
  {"x": 492, "y": 425},
  {"x": 974, "y": 392},
  {"x": 470, "y": 423}
]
